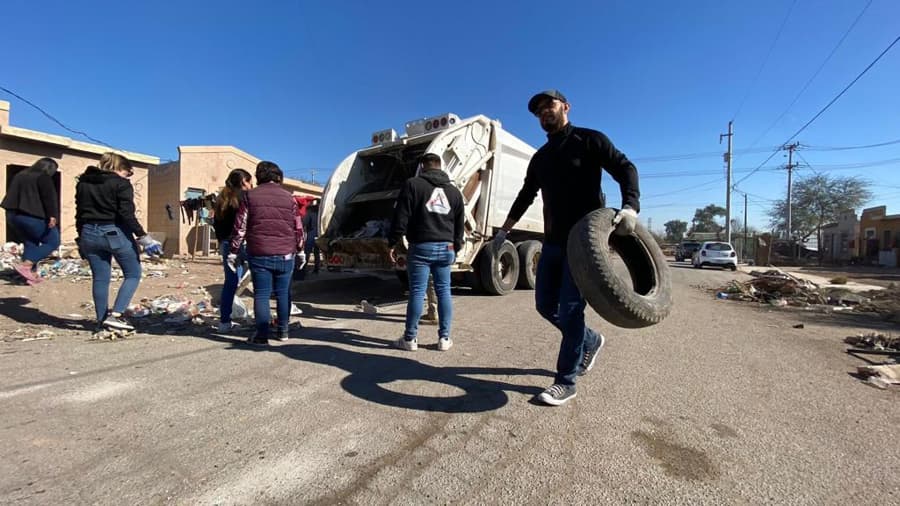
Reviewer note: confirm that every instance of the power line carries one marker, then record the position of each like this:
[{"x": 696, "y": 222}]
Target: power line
[
  {"x": 688, "y": 188},
  {"x": 815, "y": 74},
  {"x": 53, "y": 119},
  {"x": 765, "y": 61},
  {"x": 833, "y": 100},
  {"x": 846, "y": 148}
]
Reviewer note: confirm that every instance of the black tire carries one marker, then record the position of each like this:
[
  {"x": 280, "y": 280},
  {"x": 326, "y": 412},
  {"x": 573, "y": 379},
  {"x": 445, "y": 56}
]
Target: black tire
[
  {"x": 733, "y": 268},
  {"x": 499, "y": 269},
  {"x": 679, "y": 259},
  {"x": 529, "y": 254},
  {"x": 644, "y": 299}
]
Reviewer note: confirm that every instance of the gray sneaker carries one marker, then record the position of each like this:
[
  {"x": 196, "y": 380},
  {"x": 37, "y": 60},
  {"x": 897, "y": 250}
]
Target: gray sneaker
[
  {"x": 557, "y": 394},
  {"x": 590, "y": 356},
  {"x": 117, "y": 322}
]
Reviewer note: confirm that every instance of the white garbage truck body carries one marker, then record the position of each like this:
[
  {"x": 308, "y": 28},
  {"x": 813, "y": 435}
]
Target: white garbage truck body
[{"x": 487, "y": 164}]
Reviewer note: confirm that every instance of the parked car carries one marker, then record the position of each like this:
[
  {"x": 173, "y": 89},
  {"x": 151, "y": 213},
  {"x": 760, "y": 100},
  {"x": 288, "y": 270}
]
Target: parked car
[
  {"x": 715, "y": 253},
  {"x": 686, "y": 250}
]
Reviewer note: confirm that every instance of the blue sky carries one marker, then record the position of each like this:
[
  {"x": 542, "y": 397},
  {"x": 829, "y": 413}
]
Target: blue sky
[{"x": 306, "y": 83}]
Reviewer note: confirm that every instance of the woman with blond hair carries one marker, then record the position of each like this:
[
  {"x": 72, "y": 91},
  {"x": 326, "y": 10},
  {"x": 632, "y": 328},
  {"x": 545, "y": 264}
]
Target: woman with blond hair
[
  {"x": 107, "y": 226},
  {"x": 32, "y": 206},
  {"x": 226, "y": 208}
]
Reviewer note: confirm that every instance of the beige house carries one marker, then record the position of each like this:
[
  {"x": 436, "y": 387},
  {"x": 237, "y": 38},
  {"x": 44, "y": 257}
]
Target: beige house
[
  {"x": 199, "y": 172},
  {"x": 840, "y": 240},
  {"x": 20, "y": 148}
]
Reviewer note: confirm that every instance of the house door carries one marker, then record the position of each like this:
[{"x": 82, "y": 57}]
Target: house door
[{"x": 12, "y": 235}]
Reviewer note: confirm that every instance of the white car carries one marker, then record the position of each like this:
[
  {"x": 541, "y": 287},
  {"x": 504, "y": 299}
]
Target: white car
[{"x": 715, "y": 253}]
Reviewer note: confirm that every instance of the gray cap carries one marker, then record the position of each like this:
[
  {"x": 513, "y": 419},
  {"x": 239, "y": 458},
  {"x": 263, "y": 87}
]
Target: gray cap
[{"x": 532, "y": 104}]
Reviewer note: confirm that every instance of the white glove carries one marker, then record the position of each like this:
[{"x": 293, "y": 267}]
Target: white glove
[
  {"x": 499, "y": 239},
  {"x": 300, "y": 261},
  {"x": 151, "y": 246},
  {"x": 625, "y": 221},
  {"x": 231, "y": 260}
]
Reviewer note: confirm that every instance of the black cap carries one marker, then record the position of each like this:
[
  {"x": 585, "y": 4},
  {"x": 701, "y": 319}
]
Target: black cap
[{"x": 532, "y": 104}]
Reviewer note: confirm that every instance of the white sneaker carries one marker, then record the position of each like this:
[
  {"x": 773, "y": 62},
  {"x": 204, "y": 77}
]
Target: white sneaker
[
  {"x": 403, "y": 344},
  {"x": 445, "y": 343},
  {"x": 228, "y": 326}
]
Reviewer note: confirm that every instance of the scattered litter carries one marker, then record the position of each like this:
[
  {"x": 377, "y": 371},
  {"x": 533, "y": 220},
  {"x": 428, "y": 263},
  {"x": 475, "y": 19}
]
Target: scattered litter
[
  {"x": 373, "y": 228},
  {"x": 781, "y": 289},
  {"x": 109, "y": 335},
  {"x": 75, "y": 315},
  {"x": 798, "y": 326},
  {"x": 874, "y": 341},
  {"x": 37, "y": 338},
  {"x": 295, "y": 310},
  {"x": 880, "y": 376},
  {"x": 240, "y": 311},
  {"x": 368, "y": 308},
  {"x": 67, "y": 263}
]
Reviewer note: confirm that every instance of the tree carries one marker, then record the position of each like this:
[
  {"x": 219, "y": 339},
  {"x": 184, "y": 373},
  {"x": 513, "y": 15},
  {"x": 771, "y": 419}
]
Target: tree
[
  {"x": 675, "y": 230},
  {"x": 705, "y": 219},
  {"x": 817, "y": 201}
]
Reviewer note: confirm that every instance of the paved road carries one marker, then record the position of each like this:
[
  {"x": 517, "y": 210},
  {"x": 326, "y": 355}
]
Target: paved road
[{"x": 722, "y": 403}]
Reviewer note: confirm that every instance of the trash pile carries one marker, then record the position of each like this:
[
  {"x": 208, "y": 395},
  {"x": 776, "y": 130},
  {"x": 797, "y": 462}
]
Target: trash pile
[
  {"x": 776, "y": 288},
  {"x": 874, "y": 341},
  {"x": 373, "y": 228},
  {"x": 177, "y": 309},
  {"x": 69, "y": 265}
]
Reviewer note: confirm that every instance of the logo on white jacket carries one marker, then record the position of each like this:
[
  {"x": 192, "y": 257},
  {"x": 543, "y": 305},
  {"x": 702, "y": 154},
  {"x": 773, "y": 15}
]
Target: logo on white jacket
[{"x": 438, "y": 202}]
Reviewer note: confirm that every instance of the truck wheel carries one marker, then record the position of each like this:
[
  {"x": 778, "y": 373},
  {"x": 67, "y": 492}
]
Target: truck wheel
[
  {"x": 499, "y": 270},
  {"x": 644, "y": 299},
  {"x": 529, "y": 254}
]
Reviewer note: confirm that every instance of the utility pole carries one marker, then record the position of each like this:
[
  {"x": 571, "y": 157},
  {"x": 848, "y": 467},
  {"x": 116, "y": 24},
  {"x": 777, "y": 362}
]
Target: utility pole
[
  {"x": 790, "y": 170},
  {"x": 312, "y": 175},
  {"x": 744, "y": 246},
  {"x": 730, "y": 135}
]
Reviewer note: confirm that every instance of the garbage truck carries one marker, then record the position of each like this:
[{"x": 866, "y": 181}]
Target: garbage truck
[{"x": 486, "y": 163}]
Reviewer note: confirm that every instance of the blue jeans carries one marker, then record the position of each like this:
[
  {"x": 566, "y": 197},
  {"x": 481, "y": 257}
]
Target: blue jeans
[
  {"x": 99, "y": 244},
  {"x": 40, "y": 240},
  {"x": 232, "y": 278},
  {"x": 424, "y": 258},
  {"x": 271, "y": 274},
  {"x": 558, "y": 300}
]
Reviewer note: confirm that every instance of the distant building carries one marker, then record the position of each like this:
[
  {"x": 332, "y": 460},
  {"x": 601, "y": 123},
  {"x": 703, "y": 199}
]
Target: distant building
[
  {"x": 879, "y": 234},
  {"x": 181, "y": 190},
  {"x": 20, "y": 148},
  {"x": 840, "y": 240}
]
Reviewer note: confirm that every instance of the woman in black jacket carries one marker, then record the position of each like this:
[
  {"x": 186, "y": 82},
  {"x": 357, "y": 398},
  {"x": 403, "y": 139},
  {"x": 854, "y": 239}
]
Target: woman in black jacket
[
  {"x": 237, "y": 182},
  {"x": 107, "y": 226},
  {"x": 32, "y": 206}
]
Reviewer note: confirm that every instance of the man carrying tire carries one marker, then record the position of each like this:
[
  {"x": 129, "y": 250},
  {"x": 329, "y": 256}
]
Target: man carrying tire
[
  {"x": 567, "y": 170},
  {"x": 430, "y": 213}
]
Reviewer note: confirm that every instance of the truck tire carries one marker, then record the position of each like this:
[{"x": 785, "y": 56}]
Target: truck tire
[
  {"x": 644, "y": 299},
  {"x": 529, "y": 254},
  {"x": 499, "y": 270}
]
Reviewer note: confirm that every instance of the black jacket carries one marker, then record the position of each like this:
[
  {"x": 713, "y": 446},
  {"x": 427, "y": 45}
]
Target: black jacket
[
  {"x": 429, "y": 209},
  {"x": 32, "y": 193},
  {"x": 105, "y": 198},
  {"x": 567, "y": 172}
]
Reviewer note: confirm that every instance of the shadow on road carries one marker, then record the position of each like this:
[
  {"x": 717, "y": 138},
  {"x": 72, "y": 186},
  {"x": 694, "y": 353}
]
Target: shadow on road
[
  {"x": 16, "y": 310},
  {"x": 371, "y": 375}
]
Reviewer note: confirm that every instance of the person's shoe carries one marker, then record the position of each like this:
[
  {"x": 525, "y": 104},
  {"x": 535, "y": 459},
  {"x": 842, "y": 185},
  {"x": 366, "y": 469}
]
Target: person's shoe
[
  {"x": 408, "y": 345},
  {"x": 445, "y": 343},
  {"x": 281, "y": 335},
  {"x": 225, "y": 327},
  {"x": 256, "y": 340},
  {"x": 27, "y": 273},
  {"x": 590, "y": 356},
  {"x": 114, "y": 321},
  {"x": 557, "y": 394}
]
